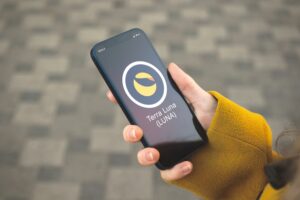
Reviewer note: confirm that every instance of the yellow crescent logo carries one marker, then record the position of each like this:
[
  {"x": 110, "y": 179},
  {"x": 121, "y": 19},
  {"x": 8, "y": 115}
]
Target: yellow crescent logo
[{"x": 144, "y": 84}]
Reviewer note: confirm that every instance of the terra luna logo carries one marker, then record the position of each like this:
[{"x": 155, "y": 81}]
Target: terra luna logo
[{"x": 144, "y": 84}]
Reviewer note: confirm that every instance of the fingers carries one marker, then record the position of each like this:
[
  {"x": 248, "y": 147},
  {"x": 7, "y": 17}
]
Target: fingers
[
  {"x": 132, "y": 133},
  {"x": 177, "y": 172},
  {"x": 186, "y": 84},
  {"x": 148, "y": 156},
  {"x": 111, "y": 97}
]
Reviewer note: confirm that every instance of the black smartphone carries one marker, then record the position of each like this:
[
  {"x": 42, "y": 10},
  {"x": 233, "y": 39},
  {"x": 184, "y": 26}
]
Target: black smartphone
[{"x": 148, "y": 96}]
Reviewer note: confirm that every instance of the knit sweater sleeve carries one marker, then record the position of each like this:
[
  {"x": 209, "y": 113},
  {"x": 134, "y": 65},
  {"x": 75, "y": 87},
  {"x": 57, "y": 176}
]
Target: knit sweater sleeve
[{"x": 231, "y": 165}]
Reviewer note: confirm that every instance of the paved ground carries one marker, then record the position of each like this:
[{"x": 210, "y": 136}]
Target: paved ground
[{"x": 59, "y": 137}]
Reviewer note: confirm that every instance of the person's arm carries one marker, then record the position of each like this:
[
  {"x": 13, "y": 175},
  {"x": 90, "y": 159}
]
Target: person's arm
[{"x": 231, "y": 165}]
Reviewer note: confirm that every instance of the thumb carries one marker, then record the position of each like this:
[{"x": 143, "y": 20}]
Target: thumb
[{"x": 186, "y": 84}]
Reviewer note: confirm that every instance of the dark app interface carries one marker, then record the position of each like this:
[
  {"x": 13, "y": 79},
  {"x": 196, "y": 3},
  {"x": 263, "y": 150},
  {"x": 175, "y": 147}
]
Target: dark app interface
[{"x": 140, "y": 79}]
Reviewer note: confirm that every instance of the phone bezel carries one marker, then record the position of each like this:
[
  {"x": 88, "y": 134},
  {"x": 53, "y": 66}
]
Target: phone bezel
[{"x": 115, "y": 40}]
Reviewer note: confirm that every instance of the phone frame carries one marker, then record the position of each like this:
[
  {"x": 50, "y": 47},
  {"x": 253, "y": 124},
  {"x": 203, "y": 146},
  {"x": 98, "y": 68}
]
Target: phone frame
[{"x": 117, "y": 39}]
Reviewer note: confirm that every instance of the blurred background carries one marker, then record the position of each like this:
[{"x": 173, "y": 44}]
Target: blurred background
[{"x": 59, "y": 136}]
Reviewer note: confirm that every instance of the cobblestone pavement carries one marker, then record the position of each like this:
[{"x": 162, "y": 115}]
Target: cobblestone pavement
[{"x": 61, "y": 139}]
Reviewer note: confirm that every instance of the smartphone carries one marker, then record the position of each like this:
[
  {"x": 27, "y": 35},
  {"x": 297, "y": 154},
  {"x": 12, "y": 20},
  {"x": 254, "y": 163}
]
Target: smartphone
[{"x": 148, "y": 96}]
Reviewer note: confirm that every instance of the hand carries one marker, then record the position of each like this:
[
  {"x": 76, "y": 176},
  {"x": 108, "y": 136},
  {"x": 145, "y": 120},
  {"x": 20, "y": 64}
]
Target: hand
[{"x": 204, "y": 107}]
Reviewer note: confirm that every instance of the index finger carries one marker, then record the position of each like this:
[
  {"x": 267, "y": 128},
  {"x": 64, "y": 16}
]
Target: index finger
[{"x": 111, "y": 97}]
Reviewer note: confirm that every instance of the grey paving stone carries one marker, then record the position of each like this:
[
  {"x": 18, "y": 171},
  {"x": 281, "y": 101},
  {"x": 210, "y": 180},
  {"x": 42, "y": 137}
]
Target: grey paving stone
[
  {"x": 26, "y": 82},
  {"x": 4, "y": 45},
  {"x": 12, "y": 138},
  {"x": 48, "y": 173},
  {"x": 71, "y": 125},
  {"x": 234, "y": 53},
  {"x": 33, "y": 96},
  {"x": 92, "y": 191},
  {"x": 24, "y": 67},
  {"x": 119, "y": 159},
  {"x": 33, "y": 21},
  {"x": 107, "y": 140},
  {"x": 124, "y": 179},
  {"x": 66, "y": 92},
  {"x": 9, "y": 158},
  {"x": 270, "y": 62},
  {"x": 286, "y": 33},
  {"x": 82, "y": 167},
  {"x": 16, "y": 182},
  {"x": 38, "y": 131},
  {"x": 52, "y": 65},
  {"x": 90, "y": 88},
  {"x": 103, "y": 119},
  {"x": 64, "y": 108},
  {"x": 16, "y": 198},
  {"x": 40, "y": 152},
  {"x": 91, "y": 35},
  {"x": 43, "y": 41},
  {"x": 58, "y": 190},
  {"x": 169, "y": 192},
  {"x": 2, "y": 87},
  {"x": 77, "y": 144},
  {"x": 247, "y": 96},
  {"x": 56, "y": 77},
  {"x": 5, "y": 117},
  {"x": 31, "y": 5}
]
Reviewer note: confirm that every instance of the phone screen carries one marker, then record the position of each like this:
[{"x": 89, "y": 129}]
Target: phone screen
[{"x": 148, "y": 96}]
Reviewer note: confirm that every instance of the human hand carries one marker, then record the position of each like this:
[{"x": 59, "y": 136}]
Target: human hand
[{"x": 204, "y": 107}]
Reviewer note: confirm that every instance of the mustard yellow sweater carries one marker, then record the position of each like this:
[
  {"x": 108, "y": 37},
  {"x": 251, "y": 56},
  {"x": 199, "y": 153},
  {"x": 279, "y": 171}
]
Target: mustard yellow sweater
[{"x": 230, "y": 166}]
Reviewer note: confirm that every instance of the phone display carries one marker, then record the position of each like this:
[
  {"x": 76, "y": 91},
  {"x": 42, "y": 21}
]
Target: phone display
[{"x": 148, "y": 96}]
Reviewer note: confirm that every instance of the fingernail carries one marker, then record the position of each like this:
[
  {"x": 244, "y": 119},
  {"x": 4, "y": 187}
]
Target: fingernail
[
  {"x": 174, "y": 64},
  {"x": 149, "y": 156},
  {"x": 186, "y": 169},
  {"x": 132, "y": 134}
]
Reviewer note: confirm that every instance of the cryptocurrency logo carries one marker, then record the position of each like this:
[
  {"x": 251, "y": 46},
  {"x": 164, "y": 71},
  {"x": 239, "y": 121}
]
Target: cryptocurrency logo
[{"x": 144, "y": 84}]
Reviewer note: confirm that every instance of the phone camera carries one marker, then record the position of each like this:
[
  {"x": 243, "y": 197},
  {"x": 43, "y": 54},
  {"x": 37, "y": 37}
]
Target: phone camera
[{"x": 136, "y": 35}]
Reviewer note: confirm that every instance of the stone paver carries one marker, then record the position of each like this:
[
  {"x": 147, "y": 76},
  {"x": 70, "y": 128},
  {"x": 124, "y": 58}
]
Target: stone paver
[
  {"x": 132, "y": 183},
  {"x": 59, "y": 191},
  {"x": 40, "y": 152}
]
